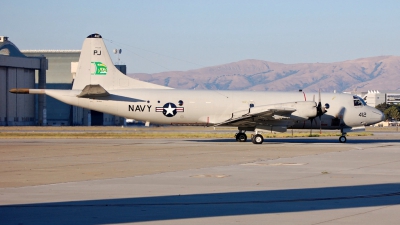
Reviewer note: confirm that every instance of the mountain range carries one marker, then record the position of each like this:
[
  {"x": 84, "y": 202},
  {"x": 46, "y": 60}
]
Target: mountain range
[{"x": 373, "y": 73}]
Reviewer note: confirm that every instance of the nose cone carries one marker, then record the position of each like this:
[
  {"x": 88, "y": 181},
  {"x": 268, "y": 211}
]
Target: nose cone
[
  {"x": 383, "y": 117},
  {"x": 377, "y": 116}
]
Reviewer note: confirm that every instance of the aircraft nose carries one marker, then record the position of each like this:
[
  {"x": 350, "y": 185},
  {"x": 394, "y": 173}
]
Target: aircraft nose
[
  {"x": 382, "y": 116},
  {"x": 378, "y": 116}
]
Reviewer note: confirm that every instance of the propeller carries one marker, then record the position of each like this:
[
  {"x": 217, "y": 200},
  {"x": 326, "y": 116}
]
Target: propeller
[
  {"x": 312, "y": 118},
  {"x": 321, "y": 110}
]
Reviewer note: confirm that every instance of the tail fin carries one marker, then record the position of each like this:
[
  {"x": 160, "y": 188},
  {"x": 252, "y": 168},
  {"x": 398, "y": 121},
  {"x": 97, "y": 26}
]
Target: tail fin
[{"x": 95, "y": 67}]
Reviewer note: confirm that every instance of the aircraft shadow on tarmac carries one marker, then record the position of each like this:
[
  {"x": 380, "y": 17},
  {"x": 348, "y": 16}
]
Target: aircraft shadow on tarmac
[
  {"x": 159, "y": 208},
  {"x": 305, "y": 140}
]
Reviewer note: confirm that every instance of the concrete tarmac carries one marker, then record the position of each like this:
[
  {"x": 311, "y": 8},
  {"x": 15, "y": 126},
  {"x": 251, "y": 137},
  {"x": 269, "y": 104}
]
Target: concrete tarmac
[{"x": 200, "y": 181}]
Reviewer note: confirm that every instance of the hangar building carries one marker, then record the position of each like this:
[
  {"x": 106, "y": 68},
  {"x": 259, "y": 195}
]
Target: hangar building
[
  {"x": 58, "y": 77},
  {"x": 18, "y": 71},
  {"x": 52, "y": 69}
]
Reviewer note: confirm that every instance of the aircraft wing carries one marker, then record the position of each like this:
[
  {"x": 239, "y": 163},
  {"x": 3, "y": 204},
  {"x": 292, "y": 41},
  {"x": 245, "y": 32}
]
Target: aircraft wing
[
  {"x": 275, "y": 117},
  {"x": 259, "y": 115}
]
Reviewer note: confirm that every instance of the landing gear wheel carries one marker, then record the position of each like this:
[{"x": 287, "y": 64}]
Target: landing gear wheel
[
  {"x": 257, "y": 139},
  {"x": 342, "y": 139},
  {"x": 241, "y": 137}
]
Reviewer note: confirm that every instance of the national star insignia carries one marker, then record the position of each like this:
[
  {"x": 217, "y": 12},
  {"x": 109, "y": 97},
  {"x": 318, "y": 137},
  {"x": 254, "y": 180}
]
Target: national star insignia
[{"x": 169, "y": 110}]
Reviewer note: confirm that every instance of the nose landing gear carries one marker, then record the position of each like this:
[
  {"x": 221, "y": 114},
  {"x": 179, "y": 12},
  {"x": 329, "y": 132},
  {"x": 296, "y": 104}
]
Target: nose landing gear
[{"x": 342, "y": 139}]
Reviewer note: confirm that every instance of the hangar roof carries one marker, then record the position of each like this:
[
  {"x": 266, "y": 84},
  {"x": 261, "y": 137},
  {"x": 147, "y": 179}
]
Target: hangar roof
[{"x": 8, "y": 48}]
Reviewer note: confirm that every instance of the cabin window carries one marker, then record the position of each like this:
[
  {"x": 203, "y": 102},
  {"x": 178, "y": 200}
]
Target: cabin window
[
  {"x": 251, "y": 105},
  {"x": 180, "y": 103}
]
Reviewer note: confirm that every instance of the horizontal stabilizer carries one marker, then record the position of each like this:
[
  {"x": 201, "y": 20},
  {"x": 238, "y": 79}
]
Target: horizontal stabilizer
[{"x": 93, "y": 90}]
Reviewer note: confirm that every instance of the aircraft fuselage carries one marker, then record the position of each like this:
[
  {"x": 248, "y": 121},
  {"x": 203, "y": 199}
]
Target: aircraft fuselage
[{"x": 209, "y": 107}]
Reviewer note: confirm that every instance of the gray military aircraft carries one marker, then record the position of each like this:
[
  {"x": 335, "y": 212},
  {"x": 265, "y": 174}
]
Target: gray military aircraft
[{"x": 100, "y": 86}]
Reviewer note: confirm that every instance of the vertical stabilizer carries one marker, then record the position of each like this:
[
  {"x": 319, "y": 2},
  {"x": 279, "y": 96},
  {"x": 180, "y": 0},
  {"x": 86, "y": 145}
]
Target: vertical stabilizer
[{"x": 95, "y": 67}]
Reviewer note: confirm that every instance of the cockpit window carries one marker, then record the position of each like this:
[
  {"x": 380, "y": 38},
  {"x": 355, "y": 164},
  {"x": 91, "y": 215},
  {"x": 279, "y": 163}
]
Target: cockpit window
[
  {"x": 358, "y": 101},
  {"x": 363, "y": 101}
]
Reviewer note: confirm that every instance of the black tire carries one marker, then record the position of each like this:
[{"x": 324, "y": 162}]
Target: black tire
[
  {"x": 241, "y": 137},
  {"x": 342, "y": 139},
  {"x": 258, "y": 139}
]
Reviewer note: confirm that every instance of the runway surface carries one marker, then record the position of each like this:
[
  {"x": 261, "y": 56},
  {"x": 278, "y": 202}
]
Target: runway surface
[{"x": 200, "y": 181}]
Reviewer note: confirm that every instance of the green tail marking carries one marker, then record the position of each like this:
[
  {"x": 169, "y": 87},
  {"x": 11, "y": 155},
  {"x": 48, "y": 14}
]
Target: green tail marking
[{"x": 100, "y": 69}]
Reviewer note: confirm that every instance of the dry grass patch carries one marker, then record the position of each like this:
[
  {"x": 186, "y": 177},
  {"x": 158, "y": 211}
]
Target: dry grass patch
[{"x": 142, "y": 134}]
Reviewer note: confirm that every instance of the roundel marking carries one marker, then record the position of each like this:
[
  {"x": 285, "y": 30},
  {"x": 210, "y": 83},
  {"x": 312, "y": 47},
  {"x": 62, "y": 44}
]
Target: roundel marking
[{"x": 169, "y": 109}]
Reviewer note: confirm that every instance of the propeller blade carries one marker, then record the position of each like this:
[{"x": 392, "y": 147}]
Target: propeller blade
[
  {"x": 320, "y": 110},
  {"x": 320, "y": 125},
  {"x": 319, "y": 93}
]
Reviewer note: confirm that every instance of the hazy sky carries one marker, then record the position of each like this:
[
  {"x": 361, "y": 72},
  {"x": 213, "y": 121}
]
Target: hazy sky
[{"x": 158, "y": 36}]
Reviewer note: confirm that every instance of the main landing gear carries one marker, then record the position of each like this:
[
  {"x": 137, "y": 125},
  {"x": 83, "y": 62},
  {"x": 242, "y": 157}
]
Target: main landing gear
[
  {"x": 242, "y": 137},
  {"x": 257, "y": 139}
]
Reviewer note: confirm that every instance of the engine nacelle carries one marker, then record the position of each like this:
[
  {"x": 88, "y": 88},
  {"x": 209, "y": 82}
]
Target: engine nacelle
[{"x": 304, "y": 110}]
